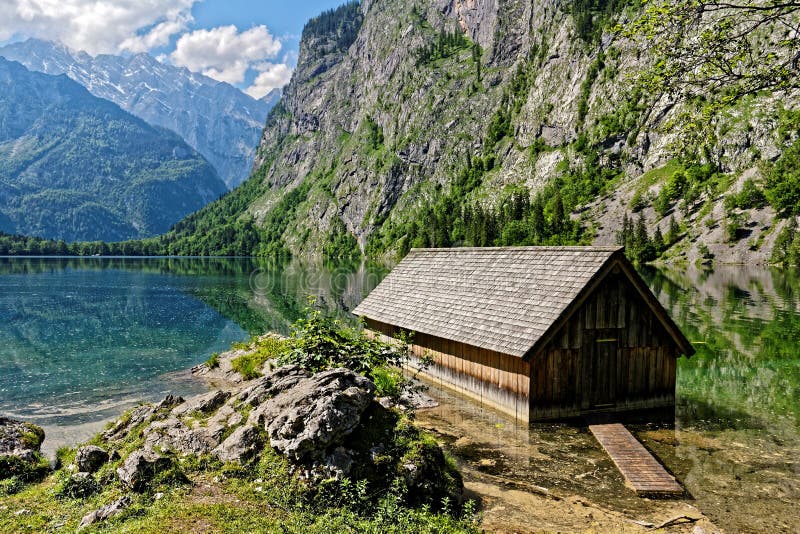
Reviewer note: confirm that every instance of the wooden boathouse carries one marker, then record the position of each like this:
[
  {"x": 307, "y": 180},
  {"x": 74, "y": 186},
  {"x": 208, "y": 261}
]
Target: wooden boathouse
[{"x": 540, "y": 333}]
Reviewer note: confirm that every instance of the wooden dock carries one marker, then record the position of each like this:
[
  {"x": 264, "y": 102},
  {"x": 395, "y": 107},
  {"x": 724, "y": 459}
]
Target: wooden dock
[{"x": 641, "y": 470}]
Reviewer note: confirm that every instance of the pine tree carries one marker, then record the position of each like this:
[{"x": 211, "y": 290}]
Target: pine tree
[
  {"x": 658, "y": 239},
  {"x": 673, "y": 232}
]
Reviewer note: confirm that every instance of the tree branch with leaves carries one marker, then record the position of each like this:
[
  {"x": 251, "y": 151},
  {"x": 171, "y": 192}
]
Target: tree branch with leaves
[{"x": 726, "y": 48}]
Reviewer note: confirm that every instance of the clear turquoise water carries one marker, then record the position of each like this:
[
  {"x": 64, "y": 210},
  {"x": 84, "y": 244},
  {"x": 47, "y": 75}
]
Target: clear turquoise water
[{"x": 83, "y": 339}]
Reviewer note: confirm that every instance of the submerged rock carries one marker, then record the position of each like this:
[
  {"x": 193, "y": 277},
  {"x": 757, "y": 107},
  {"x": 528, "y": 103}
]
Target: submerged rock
[
  {"x": 90, "y": 458},
  {"x": 106, "y": 512},
  {"x": 316, "y": 413},
  {"x": 140, "y": 467}
]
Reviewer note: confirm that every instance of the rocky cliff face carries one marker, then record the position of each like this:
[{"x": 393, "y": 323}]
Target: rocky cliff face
[
  {"x": 214, "y": 118},
  {"x": 377, "y": 125}
]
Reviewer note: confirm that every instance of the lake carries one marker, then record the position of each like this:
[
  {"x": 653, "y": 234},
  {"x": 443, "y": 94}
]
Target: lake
[{"x": 82, "y": 339}]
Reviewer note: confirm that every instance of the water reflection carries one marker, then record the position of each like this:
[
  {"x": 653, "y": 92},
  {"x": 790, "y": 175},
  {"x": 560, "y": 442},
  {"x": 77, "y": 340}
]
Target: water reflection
[
  {"x": 81, "y": 339},
  {"x": 745, "y": 324}
]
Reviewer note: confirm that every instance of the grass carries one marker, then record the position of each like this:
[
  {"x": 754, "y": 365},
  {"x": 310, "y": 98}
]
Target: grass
[
  {"x": 267, "y": 348},
  {"x": 658, "y": 175}
]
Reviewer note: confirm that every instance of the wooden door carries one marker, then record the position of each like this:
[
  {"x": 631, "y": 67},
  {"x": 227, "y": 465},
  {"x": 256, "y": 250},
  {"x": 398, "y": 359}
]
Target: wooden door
[{"x": 600, "y": 367}]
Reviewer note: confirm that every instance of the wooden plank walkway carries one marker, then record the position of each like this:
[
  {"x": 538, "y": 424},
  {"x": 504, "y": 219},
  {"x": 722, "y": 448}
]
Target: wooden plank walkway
[{"x": 642, "y": 472}]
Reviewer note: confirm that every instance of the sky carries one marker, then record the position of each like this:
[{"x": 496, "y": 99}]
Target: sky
[{"x": 251, "y": 44}]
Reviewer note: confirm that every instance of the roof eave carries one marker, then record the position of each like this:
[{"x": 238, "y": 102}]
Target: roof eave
[{"x": 616, "y": 259}]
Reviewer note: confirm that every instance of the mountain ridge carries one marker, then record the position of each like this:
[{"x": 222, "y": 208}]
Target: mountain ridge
[
  {"x": 76, "y": 167},
  {"x": 215, "y": 118},
  {"x": 501, "y": 122}
]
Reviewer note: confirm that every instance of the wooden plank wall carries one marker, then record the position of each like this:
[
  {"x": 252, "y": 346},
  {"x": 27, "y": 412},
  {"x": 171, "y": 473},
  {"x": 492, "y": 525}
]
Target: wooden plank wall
[
  {"x": 645, "y": 357},
  {"x": 498, "y": 380}
]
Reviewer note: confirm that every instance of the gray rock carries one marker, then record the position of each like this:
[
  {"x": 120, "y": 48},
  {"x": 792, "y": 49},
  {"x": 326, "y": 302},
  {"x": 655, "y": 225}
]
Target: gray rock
[
  {"x": 206, "y": 403},
  {"x": 339, "y": 462},
  {"x": 241, "y": 445},
  {"x": 19, "y": 440},
  {"x": 90, "y": 458},
  {"x": 376, "y": 451},
  {"x": 173, "y": 434},
  {"x": 225, "y": 418},
  {"x": 316, "y": 413},
  {"x": 123, "y": 426},
  {"x": 170, "y": 401},
  {"x": 270, "y": 385},
  {"x": 106, "y": 512},
  {"x": 140, "y": 467}
]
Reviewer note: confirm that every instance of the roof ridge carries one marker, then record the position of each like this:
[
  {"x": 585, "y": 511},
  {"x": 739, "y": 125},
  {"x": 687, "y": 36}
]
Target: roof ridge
[{"x": 574, "y": 248}]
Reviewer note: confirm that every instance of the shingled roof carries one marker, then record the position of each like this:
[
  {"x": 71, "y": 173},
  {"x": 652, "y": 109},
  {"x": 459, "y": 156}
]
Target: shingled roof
[{"x": 504, "y": 299}]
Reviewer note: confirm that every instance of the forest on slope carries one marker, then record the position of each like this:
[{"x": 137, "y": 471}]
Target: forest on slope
[
  {"x": 449, "y": 123},
  {"x": 75, "y": 167}
]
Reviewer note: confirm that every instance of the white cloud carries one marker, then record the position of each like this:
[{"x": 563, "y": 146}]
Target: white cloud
[
  {"x": 97, "y": 26},
  {"x": 272, "y": 75},
  {"x": 115, "y": 26},
  {"x": 224, "y": 53},
  {"x": 159, "y": 35}
]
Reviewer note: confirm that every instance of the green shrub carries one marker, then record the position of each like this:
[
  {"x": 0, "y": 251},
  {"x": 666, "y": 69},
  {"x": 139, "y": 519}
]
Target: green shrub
[
  {"x": 733, "y": 226},
  {"x": 320, "y": 342},
  {"x": 786, "y": 250},
  {"x": 638, "y": 202},
  {"x": 76, "y": 487},
  {"x": 388, "y": 381},
  {"x": 213, "y": 361},
  {"x": 706, "y": 256},
  {"x": 782, "y": 187},
  {"x": 749, "y": 197},
  {"x": 13, "y": 466},
  {"x": 662, "y": 203},
  {"x": 11, "y": 486}
]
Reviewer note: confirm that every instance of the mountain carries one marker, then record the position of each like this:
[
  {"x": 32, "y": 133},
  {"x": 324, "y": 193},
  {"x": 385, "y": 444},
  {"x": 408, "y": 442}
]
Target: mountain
[
  {"x": 502, "y": 122},
  {"x": 77, "y": 167},
  {"x": 272, "y": 98},
  {"x": 216, "y": 119}
]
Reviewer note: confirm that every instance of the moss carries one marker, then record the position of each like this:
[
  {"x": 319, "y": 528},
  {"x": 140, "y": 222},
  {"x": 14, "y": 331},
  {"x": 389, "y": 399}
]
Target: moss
[{"x": 32, "y": 437}]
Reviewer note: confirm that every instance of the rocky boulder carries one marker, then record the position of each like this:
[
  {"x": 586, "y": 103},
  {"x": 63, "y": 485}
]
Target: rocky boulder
[
  {"x": 173, "y": 434},
  {"x": 90, "y": 458},
  {"x": 140, "y": 467},
  {"x": 276, "y": 382},
  {"x": 205, "y": 404},
  {"x": 315, "y": 413},
  {"x": 106, "y": 512},
  {"x": 123, "y": 426},
  {"x": 20, "y": 445},
  {"x": 244, "y": 443}
]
